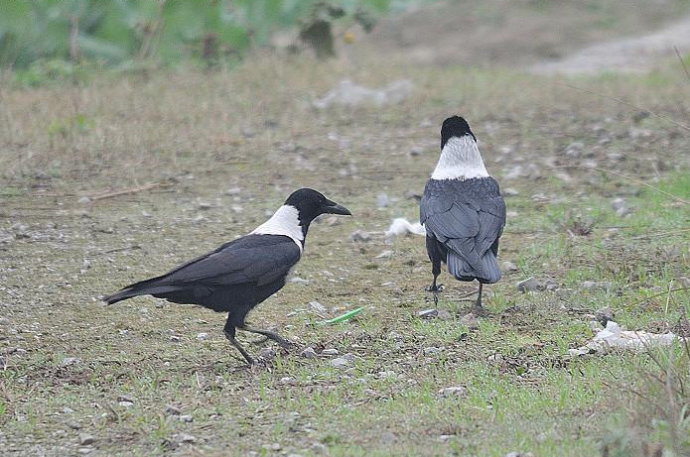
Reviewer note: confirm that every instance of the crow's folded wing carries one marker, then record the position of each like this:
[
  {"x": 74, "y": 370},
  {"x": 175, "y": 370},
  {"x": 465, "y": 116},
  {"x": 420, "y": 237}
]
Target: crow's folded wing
[
  {"x": 466, "y": 216},
  {"x": 258, "y": 259}
]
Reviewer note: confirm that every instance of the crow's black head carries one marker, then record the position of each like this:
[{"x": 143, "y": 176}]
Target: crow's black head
[
  {"x": 311, "y": 203},
  {"x": 455, "y": 126}
]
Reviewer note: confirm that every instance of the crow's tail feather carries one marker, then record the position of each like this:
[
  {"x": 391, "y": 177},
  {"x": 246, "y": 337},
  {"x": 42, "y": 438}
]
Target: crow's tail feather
[
  {"x": 485, "y": 269},
  {"x": 148, "y": 287}
]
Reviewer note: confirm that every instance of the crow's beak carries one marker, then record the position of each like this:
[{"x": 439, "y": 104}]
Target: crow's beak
[{"x": 331, "y": 207}]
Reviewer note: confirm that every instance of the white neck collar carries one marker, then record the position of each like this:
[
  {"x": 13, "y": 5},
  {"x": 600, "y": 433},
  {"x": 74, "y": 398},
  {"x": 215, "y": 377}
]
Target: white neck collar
[
  {"x": 284, "y": 222},
  {"x": 460, "y": 159}
]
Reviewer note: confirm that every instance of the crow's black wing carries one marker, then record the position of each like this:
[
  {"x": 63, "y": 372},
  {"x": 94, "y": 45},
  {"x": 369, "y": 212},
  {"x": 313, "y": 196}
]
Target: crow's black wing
[
  {"x": 467, "y": 216},
  {"x": 258, "y": 259}
]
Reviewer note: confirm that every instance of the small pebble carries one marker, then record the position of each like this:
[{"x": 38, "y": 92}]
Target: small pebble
[
  {"x": 185, "y": 438},
  {"x": 508, "y": 267},
  {"x": 382, "y": 200},
  {"x": 453, "y": 391},
  {"x": 341, "y": 363},
  {"x": 330, "y": 352},
  {"x": 85, "y": 439},
  {"x": 470, "y": 321},
  {"x": 528, "y": 285},
  {"x": 428, "y": 313},
  {"x": 597, "y": 285},
  {"x": 308, "y": 353},
  {"x": 360, "y": 236},
  {"x": 172, "y": 410},
  {"x": 68, "y": 361},
  {"x": 317, "y": 307}
]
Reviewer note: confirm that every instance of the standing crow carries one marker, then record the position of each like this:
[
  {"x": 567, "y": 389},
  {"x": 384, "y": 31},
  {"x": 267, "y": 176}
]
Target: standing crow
[
  {"x": 462, "y": 211},
  {"x": 242, "y": 273}
]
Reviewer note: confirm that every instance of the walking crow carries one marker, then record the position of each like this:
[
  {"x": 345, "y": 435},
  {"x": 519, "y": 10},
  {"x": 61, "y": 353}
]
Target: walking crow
[
  {"x": 242, "y": 273},
  {"x": 462, "y": 211}
]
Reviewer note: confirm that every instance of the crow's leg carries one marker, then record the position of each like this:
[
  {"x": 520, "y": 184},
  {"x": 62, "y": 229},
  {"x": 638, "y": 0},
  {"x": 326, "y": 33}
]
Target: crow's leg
[
  {"x": 478, "y": 304},
  {"x": 229, "y": 331},
  {"x": 268, "y": 334},
  {"x": 434, "y": 288},
  {"x": 436, "y": 255}
]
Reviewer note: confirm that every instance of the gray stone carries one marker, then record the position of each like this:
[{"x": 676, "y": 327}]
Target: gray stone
[
  {"x": 470, "y": 321},
  {"x": 186, "y": 438},
  {"x": 68, "y": 361},
  {"x": 382, "y": 200},
  {"x": 574, "y": 149},
  {"x": 317, "y": 307},
  {"x": 430, "y": 313},
  {"x": 360, "y": 236},
  {"x": 308, "y": 353},
  {"x": 508, "y": 267},
  {"x": 85, "y": 439},
  {"x": 528, "y": 285},
  {"x": 186, "y": 418},
  {"x": 597, "y": 285},
  {"x": 330, "y": 352},
  {"x": 341, "y": 363},
  {"x": 172, "y": 410},
  {"x": 453, "y": 391},
  {"x": 604, "y": 315},
  {"x": 444, "y": 315},
  {"x": 416, "y": 151}
]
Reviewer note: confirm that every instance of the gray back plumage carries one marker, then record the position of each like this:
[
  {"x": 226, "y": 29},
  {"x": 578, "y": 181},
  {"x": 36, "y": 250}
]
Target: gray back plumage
[{"x": 467, "y": 217}]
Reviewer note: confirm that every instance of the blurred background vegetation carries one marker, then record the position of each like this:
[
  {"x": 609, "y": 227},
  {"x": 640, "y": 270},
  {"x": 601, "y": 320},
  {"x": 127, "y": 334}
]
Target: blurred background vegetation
[{"x": 53, "y": 36}]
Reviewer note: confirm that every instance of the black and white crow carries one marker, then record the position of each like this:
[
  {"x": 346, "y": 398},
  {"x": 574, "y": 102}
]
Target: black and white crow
[
  {"x": 242, "y": 273},
  {"x": 462, "y": 211}
]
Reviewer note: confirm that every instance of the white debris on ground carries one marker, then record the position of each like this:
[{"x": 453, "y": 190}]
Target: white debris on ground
[
  {"x": 347, "y": 93},
  {"x": 401, "y": 226},
  {"x": 613, "y": 336}
]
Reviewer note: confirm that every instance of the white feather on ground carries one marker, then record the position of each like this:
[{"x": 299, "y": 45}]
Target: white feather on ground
[
  {"x": 401, "y": 226},
  {"x": 613, "y": 336}
]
